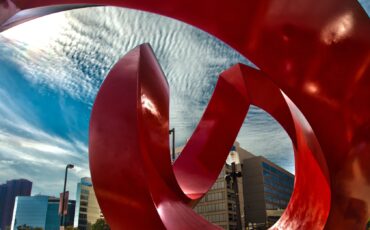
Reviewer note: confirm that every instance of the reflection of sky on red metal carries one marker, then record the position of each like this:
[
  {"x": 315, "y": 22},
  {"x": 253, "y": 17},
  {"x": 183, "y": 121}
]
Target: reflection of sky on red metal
[{"x": 318, "y": 54}]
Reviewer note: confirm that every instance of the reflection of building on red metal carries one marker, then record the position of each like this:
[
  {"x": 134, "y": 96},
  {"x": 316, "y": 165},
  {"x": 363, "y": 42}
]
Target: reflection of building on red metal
[{"x": 316, "y": 52}]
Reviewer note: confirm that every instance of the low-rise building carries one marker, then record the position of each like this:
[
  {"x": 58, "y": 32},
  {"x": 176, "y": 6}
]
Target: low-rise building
[{"x": 40, "y": 212}]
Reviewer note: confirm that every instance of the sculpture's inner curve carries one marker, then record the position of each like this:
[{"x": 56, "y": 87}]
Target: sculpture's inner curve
[
  {"x": 318, "y": 55},
  {"x": 243, "y": 86}
]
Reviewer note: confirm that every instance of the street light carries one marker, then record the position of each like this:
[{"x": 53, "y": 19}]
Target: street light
[
  {"x": 173, "y": 143},
  {"x": 69, "y": 166},
  {"x": 234, "y": 176}
]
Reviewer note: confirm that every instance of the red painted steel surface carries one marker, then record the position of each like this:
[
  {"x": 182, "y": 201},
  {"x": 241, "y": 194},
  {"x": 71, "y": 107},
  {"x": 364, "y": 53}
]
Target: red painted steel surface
[
  {"x": 129, "y": 149},
  {"x": 318, "y": 53},
  {"x": 135, "y": 129}
]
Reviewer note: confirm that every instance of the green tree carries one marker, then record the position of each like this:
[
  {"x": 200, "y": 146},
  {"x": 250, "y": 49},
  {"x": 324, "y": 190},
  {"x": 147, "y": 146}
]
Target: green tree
[
  {"x": 24, "y": 227},
  {"x": 70, "y": 228},
  {"x": 100, "y": 224}
]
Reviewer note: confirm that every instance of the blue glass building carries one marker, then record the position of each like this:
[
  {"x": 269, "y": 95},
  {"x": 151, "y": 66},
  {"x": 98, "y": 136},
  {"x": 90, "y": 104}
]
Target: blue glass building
[
  {"x": 267, "y": 191},
  {"x": 40, "y": 211}
]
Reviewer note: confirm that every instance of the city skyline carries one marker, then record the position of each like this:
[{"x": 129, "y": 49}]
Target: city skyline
[
  {"x": 86, "y": 210},
  {"x": 46, "y": 105}
]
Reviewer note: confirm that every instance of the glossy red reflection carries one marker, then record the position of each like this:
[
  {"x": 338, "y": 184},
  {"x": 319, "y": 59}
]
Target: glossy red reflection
[
  {"x": 318, "y": 54},
  {"x": 129, "y": 123}
]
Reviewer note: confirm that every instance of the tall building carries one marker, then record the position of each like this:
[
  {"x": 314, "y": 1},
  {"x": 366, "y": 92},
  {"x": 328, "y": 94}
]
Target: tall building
[
  {"x": 267, "y": 191},
  {"x": 219, "y": 205},
  {"x": 264, "y": 190},
  {"x": 40, "y": 212},
  {"x": 8, "y": 192},
  {"x": 87, "y": 207}
]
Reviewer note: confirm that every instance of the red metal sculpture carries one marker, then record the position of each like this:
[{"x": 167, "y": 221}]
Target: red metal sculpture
[
  {"x": 135, "y": 130},
  {"x": 317, "y": 53}
]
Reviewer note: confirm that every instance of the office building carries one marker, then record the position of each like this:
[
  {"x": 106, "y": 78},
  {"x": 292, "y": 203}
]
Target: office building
[
  {"x": 267, "y": 191},
  {"x": 264, "y": 190},
  {"x": 8, "y": 193},
  {"x": 53, "y": 207},
  {"x": 40, "y": 212},
  {"x": 87, "y": 207},
  {"x": 219, "y": 205}
]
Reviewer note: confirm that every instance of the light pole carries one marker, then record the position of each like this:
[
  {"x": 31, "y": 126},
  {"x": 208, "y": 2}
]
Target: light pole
[
  {"x": 173, "y": 143},
  {"x": 234, "y": 176},
  {"x": 69, "y": 166}
]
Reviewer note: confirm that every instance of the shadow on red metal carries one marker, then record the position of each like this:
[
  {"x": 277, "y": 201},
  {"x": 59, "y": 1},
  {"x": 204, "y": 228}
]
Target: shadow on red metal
[{"x": 317, "y": 53}]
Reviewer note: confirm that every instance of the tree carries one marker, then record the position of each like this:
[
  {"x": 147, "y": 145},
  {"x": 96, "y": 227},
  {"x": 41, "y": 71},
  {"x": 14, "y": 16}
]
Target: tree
[
  {"x": 100, "y": 224},
  {"x": 70, "y": 228},
  {"x": 24, "y": 227}
]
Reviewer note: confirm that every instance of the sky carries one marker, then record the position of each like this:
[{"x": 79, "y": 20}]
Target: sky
[{"x": 50, "y": 72}]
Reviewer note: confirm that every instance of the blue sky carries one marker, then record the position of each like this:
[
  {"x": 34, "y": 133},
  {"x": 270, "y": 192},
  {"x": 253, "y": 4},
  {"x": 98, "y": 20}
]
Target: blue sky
[{"x": 48, "y": 82}]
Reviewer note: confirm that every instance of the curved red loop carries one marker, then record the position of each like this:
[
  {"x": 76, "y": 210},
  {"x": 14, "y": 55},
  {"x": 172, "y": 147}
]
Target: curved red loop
[
  {"x": 317, "y": 53},
  {"x": 135, "y": 129},
  {"x": 129, "y": 149}
]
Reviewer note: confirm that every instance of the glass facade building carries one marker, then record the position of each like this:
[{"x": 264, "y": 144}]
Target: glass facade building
[
  {"x": 30, "y": 211},
  {"x": 267, "y": 191},
  {"x": 52, "y": 216},
  {"x": 278, "y": 187},
  {"x": 264, "y": 191},
  {"x": 40, "y": 212},
  {"x": 219, "y": 205},
  {"x": 8, "y": 193}
]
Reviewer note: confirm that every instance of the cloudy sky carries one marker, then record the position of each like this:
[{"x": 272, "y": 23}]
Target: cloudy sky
[{"x": 51, "y": 69}]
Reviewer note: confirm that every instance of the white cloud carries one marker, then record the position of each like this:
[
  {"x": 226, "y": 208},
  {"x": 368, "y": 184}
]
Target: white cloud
[
  {"x": 74, "y": 63},
  {"x": 27, "y": 151}
]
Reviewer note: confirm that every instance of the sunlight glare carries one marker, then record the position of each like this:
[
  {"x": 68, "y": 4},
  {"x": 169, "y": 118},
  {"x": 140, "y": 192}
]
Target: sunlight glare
[{"x": 38, "y": 33}]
